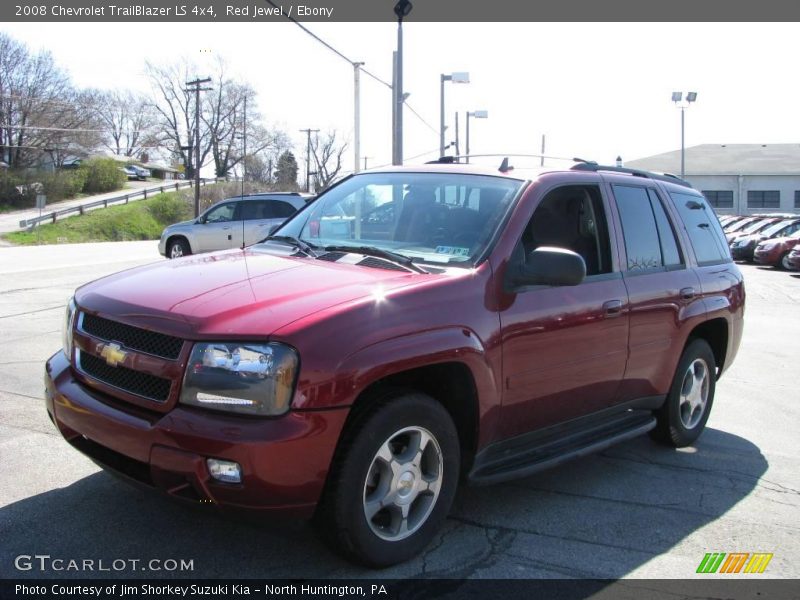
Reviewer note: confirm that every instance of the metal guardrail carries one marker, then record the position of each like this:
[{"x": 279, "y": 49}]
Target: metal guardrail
[{"x": 81, "y": 209}]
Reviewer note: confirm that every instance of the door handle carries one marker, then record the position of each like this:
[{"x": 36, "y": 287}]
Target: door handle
[
  {"x": 612, "y": 308},
  {"x": 687, "y": 293}
]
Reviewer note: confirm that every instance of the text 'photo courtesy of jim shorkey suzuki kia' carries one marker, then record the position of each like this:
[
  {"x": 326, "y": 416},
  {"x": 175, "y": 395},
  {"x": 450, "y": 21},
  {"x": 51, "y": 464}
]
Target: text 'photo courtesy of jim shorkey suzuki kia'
[{"x": 411, "y": 328}]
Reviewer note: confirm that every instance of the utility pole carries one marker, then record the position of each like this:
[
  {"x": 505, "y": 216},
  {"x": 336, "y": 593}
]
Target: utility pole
[
  {"x": 308, "y": 133},
  {"x": 541, "y": 163},
  {"x": 194, "y": 86},
  {"x": 357, "y": 113},
  {"x": 244, "y": 142},
  {"x": 458, "y": 152}
]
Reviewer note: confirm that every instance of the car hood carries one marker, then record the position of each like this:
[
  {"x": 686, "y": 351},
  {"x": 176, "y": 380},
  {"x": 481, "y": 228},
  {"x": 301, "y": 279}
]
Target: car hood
[
  {"x": 234, "y": 293},
  {"x": 179, "y": 224}
]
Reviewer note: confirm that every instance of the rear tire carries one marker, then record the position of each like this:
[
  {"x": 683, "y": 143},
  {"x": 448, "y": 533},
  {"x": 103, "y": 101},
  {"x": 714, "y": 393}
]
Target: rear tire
[
  {"x": 683, "y": 416},
  {"x": 392, "y": 482},
  {"x": 177, "y": 248}
]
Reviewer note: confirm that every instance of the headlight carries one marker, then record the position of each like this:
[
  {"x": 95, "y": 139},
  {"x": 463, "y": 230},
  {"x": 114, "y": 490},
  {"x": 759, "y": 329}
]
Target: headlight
[
  {"x": 66, "y": 328},
  {"x": 252, "y": 379},
  {"x": 766, "y": 247}
]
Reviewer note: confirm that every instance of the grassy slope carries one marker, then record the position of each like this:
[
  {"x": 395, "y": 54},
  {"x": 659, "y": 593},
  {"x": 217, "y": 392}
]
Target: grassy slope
[{"x": 136, "y": 221}]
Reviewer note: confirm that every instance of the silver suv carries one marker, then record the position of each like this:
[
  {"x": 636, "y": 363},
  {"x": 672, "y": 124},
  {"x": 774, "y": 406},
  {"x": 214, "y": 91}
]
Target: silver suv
[{"x": 231, "y": 223}]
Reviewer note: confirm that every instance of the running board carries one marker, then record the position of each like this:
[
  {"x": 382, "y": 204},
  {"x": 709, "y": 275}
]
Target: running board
[{"x": 527, "y": 454}]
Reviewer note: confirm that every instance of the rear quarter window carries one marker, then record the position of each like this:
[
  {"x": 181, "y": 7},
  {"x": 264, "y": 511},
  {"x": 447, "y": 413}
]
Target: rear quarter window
[{"x": 703, "y": 228}]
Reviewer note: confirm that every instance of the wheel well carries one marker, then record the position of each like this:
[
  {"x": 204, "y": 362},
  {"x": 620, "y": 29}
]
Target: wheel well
[
  {"x": 451, "y": 384},
  {"x": 176, "y": 237},
  {"x": 715, "y": 332}
]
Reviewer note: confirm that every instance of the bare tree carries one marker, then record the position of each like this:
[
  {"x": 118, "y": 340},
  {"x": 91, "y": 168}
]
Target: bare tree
[
  {"x": 327, "y": 153},
  {"x": 40, "y": 111},
  {"x": 176, "y": 113},
  {"x": 128, "y": 120}
]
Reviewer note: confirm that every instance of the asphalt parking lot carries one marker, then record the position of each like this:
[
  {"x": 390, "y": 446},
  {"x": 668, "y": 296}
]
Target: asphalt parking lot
[{"x": 637, "y": 510}]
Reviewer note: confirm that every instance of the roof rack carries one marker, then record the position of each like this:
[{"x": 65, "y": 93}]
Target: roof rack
[{"x": 584, "y": 165}]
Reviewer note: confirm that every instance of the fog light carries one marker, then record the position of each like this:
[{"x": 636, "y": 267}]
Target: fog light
[{"x": 224, "y": 470}]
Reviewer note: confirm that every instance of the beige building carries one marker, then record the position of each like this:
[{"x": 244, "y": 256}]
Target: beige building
[{"x": 737, "y": 178}]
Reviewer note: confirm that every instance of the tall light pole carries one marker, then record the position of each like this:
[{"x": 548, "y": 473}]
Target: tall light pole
[
  {"x": 478, "y": 114},
  {"x": 677, "y": 98},
  {"x": 401, "y": 10},
  {"x": 460, "y": 77},
  {"x": 357, "y": 114}
]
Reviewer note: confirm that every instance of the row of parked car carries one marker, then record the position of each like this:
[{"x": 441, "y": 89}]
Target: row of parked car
[{"x": 766, "y": 239}]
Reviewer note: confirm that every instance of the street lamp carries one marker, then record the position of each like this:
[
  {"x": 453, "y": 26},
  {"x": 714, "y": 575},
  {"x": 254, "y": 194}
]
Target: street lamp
[
  {"x": 459, "y": 77},
  {"x": 677, "y": 98},
  {"x": 401, "y": 10},
  {"x": 478, "y": 114}
]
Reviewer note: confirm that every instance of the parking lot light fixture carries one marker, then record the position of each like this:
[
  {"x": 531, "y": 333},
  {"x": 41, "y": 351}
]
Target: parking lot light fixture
[
  {"x": 677, "y": 98},
  {"x": 477, "y": 114},
  {"x": 457, "y": 77}
]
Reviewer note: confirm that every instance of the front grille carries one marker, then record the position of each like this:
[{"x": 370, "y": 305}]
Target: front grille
[
  {"x": 127, "y": 380},
  {"x": 142, "y": 340}
]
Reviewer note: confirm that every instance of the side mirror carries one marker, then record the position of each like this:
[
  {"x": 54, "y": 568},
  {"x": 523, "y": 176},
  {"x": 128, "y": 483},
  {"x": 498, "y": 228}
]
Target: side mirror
[{"x": 548, "y": 265}]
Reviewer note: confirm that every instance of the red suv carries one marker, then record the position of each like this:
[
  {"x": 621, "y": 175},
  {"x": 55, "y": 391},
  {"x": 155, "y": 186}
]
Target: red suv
[{"x": 484, "y": 326}]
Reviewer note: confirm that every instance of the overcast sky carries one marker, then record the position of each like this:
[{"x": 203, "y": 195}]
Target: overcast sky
[{"x": 595, "y": 90}]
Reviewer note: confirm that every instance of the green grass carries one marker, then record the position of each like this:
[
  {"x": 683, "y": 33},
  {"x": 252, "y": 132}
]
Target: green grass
[{"x": 142, "y": 220}]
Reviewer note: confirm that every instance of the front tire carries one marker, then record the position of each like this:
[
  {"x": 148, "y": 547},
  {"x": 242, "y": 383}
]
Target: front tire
[
  {"x": 178, "y": 247},
  {"x": 392, "y": 482},
  {"x": 682, "y": 418},
  {"x": 783, "y": 263}
]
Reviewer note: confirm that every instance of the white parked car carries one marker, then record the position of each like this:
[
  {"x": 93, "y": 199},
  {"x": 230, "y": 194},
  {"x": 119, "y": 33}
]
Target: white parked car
[{"x": 231, "y": 223}]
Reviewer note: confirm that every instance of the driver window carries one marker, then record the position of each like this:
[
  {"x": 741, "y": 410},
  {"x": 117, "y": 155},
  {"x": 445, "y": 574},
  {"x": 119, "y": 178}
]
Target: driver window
[
  {"x": 571, "y": 217},
  {"x": 221, "y": 214}
]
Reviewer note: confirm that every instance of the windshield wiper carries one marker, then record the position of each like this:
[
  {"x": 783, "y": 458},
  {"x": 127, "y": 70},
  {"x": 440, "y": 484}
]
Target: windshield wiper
[
  {"x": 379, "y": 253},
  {"x": 305, "y": 248}
]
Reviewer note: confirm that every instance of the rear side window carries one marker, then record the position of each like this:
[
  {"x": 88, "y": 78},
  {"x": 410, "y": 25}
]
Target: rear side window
[
  {"x": 638, "y": 228},
  {"x": 670, "y": 253},
  {"x": 278, "y": 209},
  {"x": 253, "y": 210},
  {"x": 703, "y": 228}
]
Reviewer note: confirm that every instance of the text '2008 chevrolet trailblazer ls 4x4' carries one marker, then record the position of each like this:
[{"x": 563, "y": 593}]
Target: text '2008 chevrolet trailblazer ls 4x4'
[{"x": 410, "y": 328}]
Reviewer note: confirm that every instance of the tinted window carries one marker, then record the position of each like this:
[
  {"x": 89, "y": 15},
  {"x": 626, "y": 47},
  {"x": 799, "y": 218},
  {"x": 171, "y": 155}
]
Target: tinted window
[
  {"x": 797, "y": 199},
  {"x": 253, "y": 210},
  {"x": 703, "y": 228},
  {"x": 278, "y": 209},
  {"x": 670, "y": 254},
  {"x": 638, "y": 228}
]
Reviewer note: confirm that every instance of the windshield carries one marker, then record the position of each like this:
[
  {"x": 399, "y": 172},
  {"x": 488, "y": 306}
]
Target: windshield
[
  {"x": 739, "y": 225},
  {"x": 441, "y": 218},
  {"x": 773, "y": 229},
  {"x": 756, "y": 226}
]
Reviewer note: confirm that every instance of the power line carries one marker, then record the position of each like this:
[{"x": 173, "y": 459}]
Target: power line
[
  {"x": 353, "y": 63},
  {"x": 329, "y": 47}
]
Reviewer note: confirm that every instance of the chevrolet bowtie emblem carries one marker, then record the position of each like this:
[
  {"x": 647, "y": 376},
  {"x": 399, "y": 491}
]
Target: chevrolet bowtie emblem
[{"x": 112, "y": 353}]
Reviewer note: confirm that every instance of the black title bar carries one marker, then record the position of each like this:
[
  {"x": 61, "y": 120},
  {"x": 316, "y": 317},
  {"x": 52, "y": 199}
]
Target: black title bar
[{"x": 382, "y": 10}]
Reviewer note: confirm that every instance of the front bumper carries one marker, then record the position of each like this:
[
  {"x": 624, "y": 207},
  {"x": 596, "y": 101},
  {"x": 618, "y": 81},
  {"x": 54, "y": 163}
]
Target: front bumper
[
  {"x": 743, "y": 252},
  {"x": 767, "y": 257},
  {"x": 284, "y": 460}
]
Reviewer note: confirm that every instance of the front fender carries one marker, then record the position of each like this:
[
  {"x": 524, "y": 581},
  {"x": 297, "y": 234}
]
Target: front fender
[{"x": 361, "y": 369}]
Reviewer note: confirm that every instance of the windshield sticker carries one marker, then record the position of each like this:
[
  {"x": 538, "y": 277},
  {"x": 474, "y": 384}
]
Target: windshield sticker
[{"x": 452, "y": 250}]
